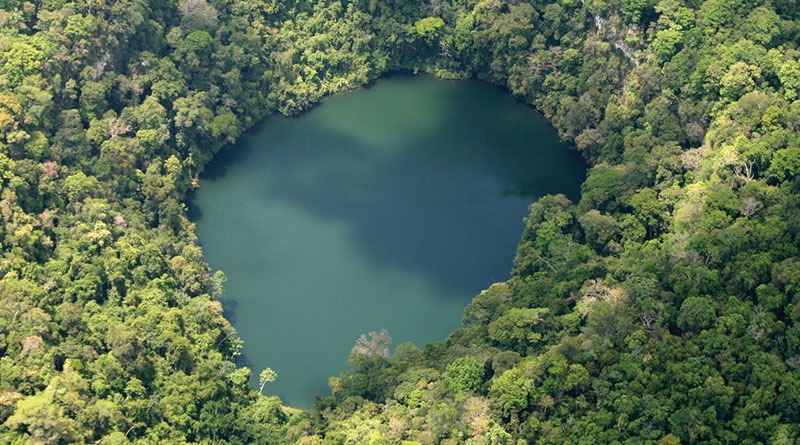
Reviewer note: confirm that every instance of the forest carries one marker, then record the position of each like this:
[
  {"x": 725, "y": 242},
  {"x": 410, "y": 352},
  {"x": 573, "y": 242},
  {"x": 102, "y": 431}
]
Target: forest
[{"x": 661, "y": 308}]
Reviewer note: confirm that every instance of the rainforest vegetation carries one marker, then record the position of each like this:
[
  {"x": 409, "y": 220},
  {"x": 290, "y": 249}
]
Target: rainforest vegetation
[{"x": 662, "y": 307}]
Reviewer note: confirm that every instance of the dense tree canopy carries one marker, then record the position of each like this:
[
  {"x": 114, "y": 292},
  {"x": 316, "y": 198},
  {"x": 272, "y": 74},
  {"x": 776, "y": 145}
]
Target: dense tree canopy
[{"x": 662, "y": 307}]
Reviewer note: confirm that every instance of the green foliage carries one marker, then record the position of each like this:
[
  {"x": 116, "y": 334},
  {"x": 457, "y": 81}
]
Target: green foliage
[
  {"x": 696, "y": 313},
  {"x": 509, "y": 393},
  {"x": 661, "y": 308},
  {"x": 517, "y": 328},
  {"x": 429, "y": 27},
  {"x": 785, "y": 164},
  {"x": 199, "y": 42},
  {"x": 667, "y": 42},
  {"x": 465, "y": 374},
  {"x": 599, "y": 229}
]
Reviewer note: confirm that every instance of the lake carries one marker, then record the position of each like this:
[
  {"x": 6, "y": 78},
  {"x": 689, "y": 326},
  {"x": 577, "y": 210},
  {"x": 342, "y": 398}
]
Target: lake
[{"x": 387, "y": 207}]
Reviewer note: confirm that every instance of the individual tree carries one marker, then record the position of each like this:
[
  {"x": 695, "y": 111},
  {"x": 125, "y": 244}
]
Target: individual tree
[
  {"x": 264, "y": 377},
  {"x": 509, "y": 393},
  {"x": 696, "y": 313},
  {"x": 372, "y": 345},
  {"x": 465, "y": 374},
  {"x": 517, "y": 328}
]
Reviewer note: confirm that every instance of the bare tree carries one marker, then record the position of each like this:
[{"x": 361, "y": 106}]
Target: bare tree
[
  {"x": 745, "y": 172},
  {"x": 198, "y": 12},
  {"x": 649, "y": 319},
  {"x": 374, "y": 344},
  {"x": 750, "y": 206}
]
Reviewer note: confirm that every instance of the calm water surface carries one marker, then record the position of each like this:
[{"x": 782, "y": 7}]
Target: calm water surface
[{"x": 383, "y": 208}]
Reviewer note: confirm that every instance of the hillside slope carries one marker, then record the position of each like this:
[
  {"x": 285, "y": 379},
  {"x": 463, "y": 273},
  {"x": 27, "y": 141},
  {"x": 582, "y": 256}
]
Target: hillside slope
[{"x": 661, "y": 308}]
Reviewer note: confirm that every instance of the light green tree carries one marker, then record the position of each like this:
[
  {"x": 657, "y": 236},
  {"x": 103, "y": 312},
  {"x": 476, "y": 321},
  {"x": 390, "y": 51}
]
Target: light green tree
[{"x": 266, "y": 376}]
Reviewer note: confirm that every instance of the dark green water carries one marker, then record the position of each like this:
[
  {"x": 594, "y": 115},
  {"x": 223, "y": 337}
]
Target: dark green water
[{"x": 383, "y": 208}]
